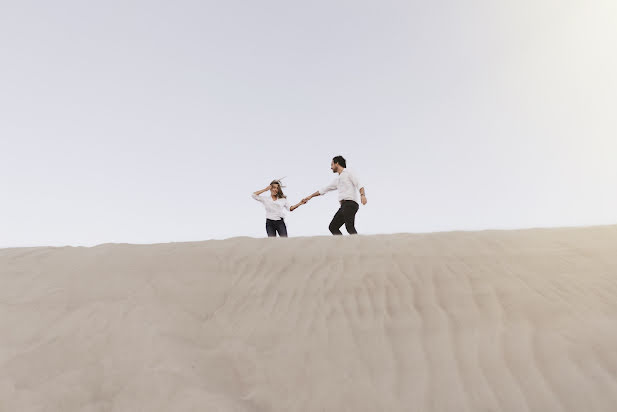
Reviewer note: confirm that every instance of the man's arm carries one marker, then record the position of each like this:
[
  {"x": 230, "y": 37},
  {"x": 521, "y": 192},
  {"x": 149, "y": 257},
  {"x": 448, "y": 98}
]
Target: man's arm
[
  {"x": 330, "y": 187},
  {"x": 357, "y": 183},
  {"x": 362, "y": 196},
  {"x": 309, "y": 197}
]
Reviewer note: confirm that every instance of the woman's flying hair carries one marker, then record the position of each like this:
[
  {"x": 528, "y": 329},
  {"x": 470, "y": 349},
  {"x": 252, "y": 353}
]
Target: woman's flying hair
[{"x": 280, "y": 193}]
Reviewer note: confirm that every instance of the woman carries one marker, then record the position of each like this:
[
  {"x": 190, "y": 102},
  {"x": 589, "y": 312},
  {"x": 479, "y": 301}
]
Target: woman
[{"x": 275, "y": 205}]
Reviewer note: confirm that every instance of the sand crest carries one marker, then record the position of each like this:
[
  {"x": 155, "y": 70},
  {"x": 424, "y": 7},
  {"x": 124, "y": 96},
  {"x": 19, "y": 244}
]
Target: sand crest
[{"x": 463, "y": 321}]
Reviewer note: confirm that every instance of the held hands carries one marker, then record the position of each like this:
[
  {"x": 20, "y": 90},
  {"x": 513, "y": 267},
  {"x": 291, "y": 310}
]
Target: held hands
[
  {"x": 300, "y": 203},
  {"x": 294, "y": 207}
]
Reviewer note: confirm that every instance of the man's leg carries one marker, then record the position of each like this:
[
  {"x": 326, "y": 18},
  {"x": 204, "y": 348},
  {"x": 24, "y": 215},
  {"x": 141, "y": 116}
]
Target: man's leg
[
  {"x": 270, "y": 228},
  {"x": 337, "y": 221},
  {"x": 349, "y": 213},
  {"x": 281, "y": 228}
]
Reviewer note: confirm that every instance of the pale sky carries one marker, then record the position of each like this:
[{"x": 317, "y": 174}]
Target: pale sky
[{"x": 150, "y": 121}]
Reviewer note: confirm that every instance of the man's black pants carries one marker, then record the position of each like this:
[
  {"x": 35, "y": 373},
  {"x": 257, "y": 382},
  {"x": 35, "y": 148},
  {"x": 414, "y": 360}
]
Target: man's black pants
[{"x": 345, "y": 215}]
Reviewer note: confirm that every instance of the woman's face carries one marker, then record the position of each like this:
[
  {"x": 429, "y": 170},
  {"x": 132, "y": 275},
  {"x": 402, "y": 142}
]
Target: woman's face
[{"x": 275, "y": 189}]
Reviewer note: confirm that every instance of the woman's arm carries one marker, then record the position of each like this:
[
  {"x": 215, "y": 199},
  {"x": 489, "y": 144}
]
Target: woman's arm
[
  {"x": 257, "y": 193},
  {"x": 291, "y": 209}
]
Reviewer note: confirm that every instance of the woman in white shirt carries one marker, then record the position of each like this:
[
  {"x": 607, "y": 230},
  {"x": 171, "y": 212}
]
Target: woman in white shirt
[{"x": 275, "y": 205}]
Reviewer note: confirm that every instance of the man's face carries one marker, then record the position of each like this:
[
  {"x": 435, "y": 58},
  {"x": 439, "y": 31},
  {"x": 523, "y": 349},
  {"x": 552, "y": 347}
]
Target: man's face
[{"x": 334, "y": 167}]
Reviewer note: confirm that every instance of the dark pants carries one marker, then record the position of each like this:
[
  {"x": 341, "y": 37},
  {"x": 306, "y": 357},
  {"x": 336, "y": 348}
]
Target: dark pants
[
  {"x": 273, "y": 226},
  {"x": 347, "y": 215}
]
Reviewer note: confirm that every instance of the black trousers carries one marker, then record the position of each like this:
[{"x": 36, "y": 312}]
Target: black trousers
[
  {"x": 273, "y": 226},
  {"x": 347, "y": 215}
]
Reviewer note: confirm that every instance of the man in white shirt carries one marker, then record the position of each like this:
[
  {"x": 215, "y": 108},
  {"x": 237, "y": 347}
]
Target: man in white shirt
[{"x": 348, "y": 188}]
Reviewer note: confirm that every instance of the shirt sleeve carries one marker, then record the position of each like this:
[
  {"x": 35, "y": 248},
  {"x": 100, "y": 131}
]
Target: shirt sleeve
[
  {"x": 354, "y": 179},
  {"x": 287, "y": 204},
  {"x": 258, "y": 198},
  {"x": 330, "y": 187}
]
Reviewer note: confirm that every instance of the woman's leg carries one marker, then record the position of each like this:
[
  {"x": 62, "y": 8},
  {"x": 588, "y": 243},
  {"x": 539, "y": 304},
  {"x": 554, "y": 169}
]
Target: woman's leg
[
  {"x": 282, "y": 228},
  {"x": 271, "y": 228}
]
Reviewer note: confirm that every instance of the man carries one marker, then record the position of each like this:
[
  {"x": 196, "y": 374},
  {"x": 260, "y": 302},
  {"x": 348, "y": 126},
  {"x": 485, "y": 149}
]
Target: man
[{"x": 348, "y": 188}]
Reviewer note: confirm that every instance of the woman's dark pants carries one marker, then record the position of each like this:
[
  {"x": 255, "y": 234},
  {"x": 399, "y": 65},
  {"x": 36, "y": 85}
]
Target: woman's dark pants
[{"x": 274, "y": 226}]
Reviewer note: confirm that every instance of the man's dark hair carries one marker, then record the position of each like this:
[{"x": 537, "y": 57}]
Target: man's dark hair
[{"x": 340, "y": 160}]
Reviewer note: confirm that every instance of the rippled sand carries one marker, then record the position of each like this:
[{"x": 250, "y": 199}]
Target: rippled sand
[{"x": 463, "y": 321}]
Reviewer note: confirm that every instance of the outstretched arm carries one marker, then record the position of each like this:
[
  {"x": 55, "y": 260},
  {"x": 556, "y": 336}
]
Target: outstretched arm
[
  {"x": 330, "y": 187},
  {"x": 291, "y": 209},
  {"x": 309, "y": 197}
]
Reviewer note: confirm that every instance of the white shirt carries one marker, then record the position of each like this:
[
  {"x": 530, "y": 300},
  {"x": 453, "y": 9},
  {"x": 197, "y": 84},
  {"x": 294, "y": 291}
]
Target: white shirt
[
  {"x": 348, "y": 187},
  {"x": 275, "y": 209}
]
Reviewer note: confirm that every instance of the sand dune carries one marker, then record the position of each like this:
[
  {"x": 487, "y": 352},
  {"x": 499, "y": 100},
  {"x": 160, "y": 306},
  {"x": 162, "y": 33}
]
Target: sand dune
[{"x": 464, "y": 321}]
